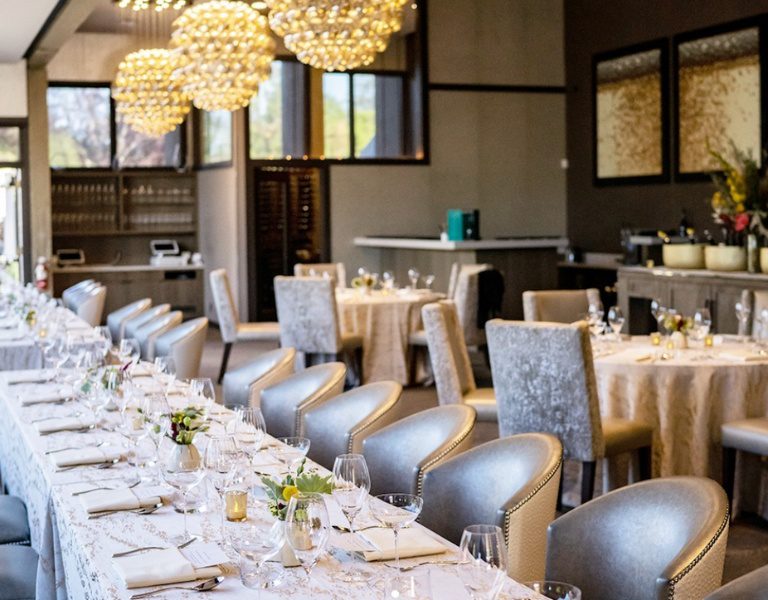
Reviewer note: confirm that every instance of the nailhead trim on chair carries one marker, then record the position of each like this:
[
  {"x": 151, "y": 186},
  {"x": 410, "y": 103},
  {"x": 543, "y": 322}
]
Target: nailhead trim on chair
[
  {"x": 676, "y": 579},
  {"x": 300, "y": 409},
  {"x": 448, "y": 450},
  {"x": 378, "y": 415}
]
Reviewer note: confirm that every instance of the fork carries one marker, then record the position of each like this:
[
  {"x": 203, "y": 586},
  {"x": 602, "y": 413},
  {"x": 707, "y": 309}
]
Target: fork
[
  {"x": 133, "y": 485},
  {"x": 145, "y": 548},
  {"x": 144, "y": 510},
  {"x": 102, "y": 465},
  {"x": 423, "y": 564}
]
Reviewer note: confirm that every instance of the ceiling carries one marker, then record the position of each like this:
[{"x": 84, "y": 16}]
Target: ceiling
[{"x": 20, "y": 24}]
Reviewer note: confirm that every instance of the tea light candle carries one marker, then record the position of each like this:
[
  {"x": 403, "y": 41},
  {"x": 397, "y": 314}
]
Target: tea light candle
[
  {"x": 670, "y": 345},
  {"x": 236, "y": 502},
  {"x": 656, "y": 338},
  {"x": 709, "y": 340}
]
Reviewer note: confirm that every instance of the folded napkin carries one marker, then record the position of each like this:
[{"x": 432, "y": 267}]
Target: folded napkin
[
  {"x": 31, "y": 376},
  {"x": 148, "y": 386},
  {"x": 10, "y": 335},
  {"x": 55, "y": 424},
  {"x": 142, "y": 369},
  {"x": 89, "y": 455},
  {"x": 412, "y": 542},
  {"x": 263, "y": 462},
  {"x": 8, "y": 323},
  {"x": 159, "y": 567},
  {"x": 741, "y": 355},
  {"x": 45, "y": 393},
  {"x": 123, "y": 498}
]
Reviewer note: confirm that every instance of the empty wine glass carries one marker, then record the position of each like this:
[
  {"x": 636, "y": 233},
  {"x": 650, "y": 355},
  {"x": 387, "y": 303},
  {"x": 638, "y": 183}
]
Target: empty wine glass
[
  {"x": 104, "y": 337},
  {"x": 702, "y": 320},
  {"x": 387, "y": 280},
  {"x": 351, "y": 484},
  {"x": 249, "y": 429},
  {"x": 482, "y": 565},
  {"x": 182, "y": 475},
  {"x": 428, "y": 281},
  {"x": 220, "y": 458},
  {"x": 414, "y": 276},
  {"x": 555, "y": 590},
  {"x": 616, "y": 321},
  {"x": 201, "y": 388},
  {"x": 396, "y": 511},
  {"x": 659, "y": 312},
  {"x": 743, "y": 312},
  {"x": 129, "y": 350},
  {"x": 165, "y": 372},
  {"x": 255, "y": 541},
  {"x": 307, "y": 529},
  {"x": 290, "y": 451}
]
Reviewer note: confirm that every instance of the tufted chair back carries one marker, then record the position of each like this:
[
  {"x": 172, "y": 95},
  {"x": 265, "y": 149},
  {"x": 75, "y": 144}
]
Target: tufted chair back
[
  {"x": 544, "y": 381},
  {"x": 243, "y": 386},
  {"x": 148, "y": 333},
  {"x": 185, "y": 344},
  {"x": 116, "y": 319},
  {"x": 340, "y": 425},
  {"x": 132, "y": 325},
  {"x": 224, "y": 302},
  {"x": 398, "y": 455},
  {"x": 447, "y": 351},
  {"x": 72, "y": 291},
  {"x": 661, "y": 539},
  {"x": 519, "y": 477},
  {"x": 757, "y": 301},
  {"x": 306, "y": 310},
  {"x": 558, "y": 306},
  {"x": 751, "y": 585},
  {"x": 335, "y": 271},
  {"x": 90, "y": 305},
  {"x": 285, "y": 403}
]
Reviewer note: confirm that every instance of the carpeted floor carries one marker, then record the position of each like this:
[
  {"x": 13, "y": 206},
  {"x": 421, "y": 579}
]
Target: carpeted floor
[{"x": 748, "y": 538}]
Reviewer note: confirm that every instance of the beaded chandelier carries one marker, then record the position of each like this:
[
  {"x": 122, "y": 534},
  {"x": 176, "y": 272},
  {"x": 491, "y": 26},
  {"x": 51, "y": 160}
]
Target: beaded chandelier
[
  {"x": 225, "y": 51},
  {"x": 336, "y": 35},
  {"x": 146, "y": 96},
  {"x": 156, "y": 5}
]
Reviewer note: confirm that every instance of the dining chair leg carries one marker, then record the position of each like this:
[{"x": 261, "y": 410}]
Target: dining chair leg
[
  {"x": 588, "y": 469},
  {"x": 729, "y": 472},
  {"x": 559, "y": 505},
  {"x": 359, "y": 364},
  {"x": 645, "y": 460},
  {"x": 224, "y": 361}
]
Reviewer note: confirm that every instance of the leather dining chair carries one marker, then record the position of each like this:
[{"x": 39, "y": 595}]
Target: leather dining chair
[
  {"x": 14, "y": 527},
  {"x": 309, "y": 322},
  {"x": 339, "y": 425},
  {"x": 148, "y": 333},
  {"x": 451, "y": 366},
  {"x": 558, "y": 306},
  {"x": 400, "y": 454},
  {"x": 519, "y": 477},
  {"x": 71, "y": 292},
  {"x": 745, "y": 435},
  {"x": 757, "y": 302},
  {"x": 184, "y": 343},
  {"x": 243, "y": 386},
  {"x": 544, "y": 379},
  {"x": 285, "y": 403},
  {"x": 18, "y": 573},
  {"x": 752, "y": 586},
  {"x": 132, "y": 325},
  {"x": 335, "y": 271},
  {"x": 232, "y": 330},
  {"x": 116, "y": 319},
  {"x": 89, "y": 305},
  {"x": 663, "y": 539}
]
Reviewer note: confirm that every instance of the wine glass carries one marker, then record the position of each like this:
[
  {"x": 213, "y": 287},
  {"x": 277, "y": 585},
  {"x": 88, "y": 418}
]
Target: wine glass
[
  {"x": 396, "y": 511},
  {"x": 202, "y": 389},
  {"x": 414, "y": 276},
  {"x": 155, "y": 411},
  {"x": 307, "y": 529},
  {"x": 255, "y": 541},
  {"x": 702, "y": 323},
  {"x": 183, "y": 475},
  {"x": 616, "y": 321},
  {"x": 104, "y": 337},
  {"x": 129, "y": 350},
  {"x": 428, "y": 281},
  {"x": 290, "y": 451},
  {"x": 387, "y": 280},
  {"x": 555, "y": 590},
  {"x": 659, "y": 312},
  {"x": 165, "y": 372},
  {"x": 482, "y": 565},
  {"x": 351, "y": 484},
  {"x": 220, "y": 458},
  {"x": 743, "y": 312},
  {"x": 249, "y": 429}
]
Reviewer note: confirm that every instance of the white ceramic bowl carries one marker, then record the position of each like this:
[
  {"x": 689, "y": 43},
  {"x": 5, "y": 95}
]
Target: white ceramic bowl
[
  {"x": 683, "y": 256},
  {"x": 725, "y": 258}
]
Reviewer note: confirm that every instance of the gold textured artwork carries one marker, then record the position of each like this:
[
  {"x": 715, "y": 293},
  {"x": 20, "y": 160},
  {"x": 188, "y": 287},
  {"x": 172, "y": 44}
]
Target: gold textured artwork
[
  {"x": 719, "y": 98},
  {"x": 629, "y": 121}
]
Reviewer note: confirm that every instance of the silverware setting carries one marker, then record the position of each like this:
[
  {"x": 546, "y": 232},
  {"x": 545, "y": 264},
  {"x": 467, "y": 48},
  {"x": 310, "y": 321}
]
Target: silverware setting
[
  {"x": 422, "y": 564},
  {"x": 144, "y": 510},
  {"x": 203, "y": 586},
  {"x": 146, "y": 548},
  {"x": 84, "y": 429},
  {"x": 75, "y": 448},
  {"x": 102, "y": 465},
  {"x": 343, "y": 529},
  {"x": 133, "y": 485}
]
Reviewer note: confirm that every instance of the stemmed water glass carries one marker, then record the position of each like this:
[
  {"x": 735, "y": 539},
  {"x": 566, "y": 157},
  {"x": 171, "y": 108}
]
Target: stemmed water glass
[
  {"x": 220, "y": 458},
  {"x": 290, "y": 451},
  {"x": 414, "y": 276},
  {"x": 428, "y": 281},
  {"x": 616, "y": 321},
  {"x": 396, "y": 511},
  {"x": 155, "y": 411},
  {"x": 482, "y": 565},
  {"x": 659, "y": 313},
  {"x": 202, "y": 389},
  {"x": 307, "y": 529},
  {"x": 743, "y": 311},
  {"x": 129, "y": 350},
  {"x": 249, "y": 429},
  {"x": 182, "y": 475},
  {"x": 165, "y": 372},
  {"x": 104, "y": 337},
  {"x": 387, "y": 280},
  {"x": 595, "y": 315},
  {"x": 351, "y": 484}
]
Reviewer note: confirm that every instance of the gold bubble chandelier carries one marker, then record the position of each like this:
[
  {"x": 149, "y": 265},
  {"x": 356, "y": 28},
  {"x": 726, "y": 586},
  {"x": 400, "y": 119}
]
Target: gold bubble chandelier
[
  {"x": 225, "y": 50},
  {"x": 336, "y": 35},
  {"x": 156, "y": 5},
  {"x": 146, "y": 96}
]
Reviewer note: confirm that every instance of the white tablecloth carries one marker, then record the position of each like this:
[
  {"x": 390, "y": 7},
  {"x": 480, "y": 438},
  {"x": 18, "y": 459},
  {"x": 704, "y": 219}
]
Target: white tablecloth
[{"x": 20, "y": 354}]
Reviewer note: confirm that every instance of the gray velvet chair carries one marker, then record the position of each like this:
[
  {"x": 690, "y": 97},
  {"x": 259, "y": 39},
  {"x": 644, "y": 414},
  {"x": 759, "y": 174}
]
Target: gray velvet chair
[
  {"x": 72, "y": 291},
  {"x": 544, "y": 379},
  {"x": 745, "y": 435},
  {"x": 663, "y": 539},
  {"x": 511, "y": 482},
  {"x": 451, "y": 366},
  {"x": 14, "y": 527},
  {"x": 148, "y": 333},
  {"x": 400, "y": 454},
  {"x": 89, "y": 305},
  {"x": 752, "y": 586},
  {"x": 132, "y": 325},
  {"x": 558, "y": 306},
  {"x": 185, "y": 344},
  {"x": 18, "y": 573},
  {"x": 339, "y": 425},
  {"x": 335, "y": 271},
  {"x": 757, "y": 301},
  {"x": 116, "y": 319},
  {"x": 309, "y": 321},
  {"x": 285, "y": 403},
  {"x": 244, "y": 385},
  {"x": 232, "y": 330}
]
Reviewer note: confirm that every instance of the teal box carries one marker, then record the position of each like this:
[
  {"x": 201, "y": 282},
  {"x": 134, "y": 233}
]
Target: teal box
[{"x": 455, "y": 225}]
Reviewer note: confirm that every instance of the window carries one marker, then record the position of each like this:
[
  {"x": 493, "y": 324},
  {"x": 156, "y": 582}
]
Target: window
[
  {"x": 135, "y": 149},
  {"x": 79, "y": 126},
  {"x": 10, "y": 145},
  {"x": 336, "y": 112},
  {"x": 216, "y": 137}
]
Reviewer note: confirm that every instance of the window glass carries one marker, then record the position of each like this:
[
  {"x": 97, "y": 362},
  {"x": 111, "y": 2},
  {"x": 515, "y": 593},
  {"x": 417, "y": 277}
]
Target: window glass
[
  {"x": 135, "y": 149},
  {"x": 378, "y": 115},
  {"x": 365, "y": 115},
  {"x": 79, "y": 127},
  {"x": 336, "y": 115},
  {"x": 216, "y": 137},
  {"x": 10, "y": 144},
  {"x": 265, "y": 114}
]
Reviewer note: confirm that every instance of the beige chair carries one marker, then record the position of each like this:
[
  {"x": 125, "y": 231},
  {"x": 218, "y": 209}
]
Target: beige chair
[
  {"x": 335, "y": 271},
  {"x": 511, "y": 482},
  {"x": 243, "y": 386},
  {"x": 89, "y": 305},
  {"x": 148, "y": 333},
  {"x": 558, "y": 306},
  {"x": 400, "y": 454},
  {"x": 232, "y": 330},
  {"x": 662, "y": 539},
  {"x": 451, "y": 366},
  {"x": 753, "y": 586},
  {"x": 71, "y": 292},
  {"x": 285, "y": 403},
  {"x": 116, "y": 319},
  {"x": 184, "y": 344},
  {"x": 339, "y": 425},
  {"x": 745, "y": 435},
  {"x": 545, "y": 381},
  {"x": 309, "y": 321},
  {"x": 757, "y": 302},
  {"x": 132, "y": 325}
]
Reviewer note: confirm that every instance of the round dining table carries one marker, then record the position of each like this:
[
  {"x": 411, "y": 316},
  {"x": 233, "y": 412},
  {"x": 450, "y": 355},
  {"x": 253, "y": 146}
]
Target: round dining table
[{"x": 385, "y": 319}]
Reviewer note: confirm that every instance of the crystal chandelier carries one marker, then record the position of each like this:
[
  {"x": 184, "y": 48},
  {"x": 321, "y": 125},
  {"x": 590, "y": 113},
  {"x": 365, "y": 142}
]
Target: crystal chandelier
[
  {"x": 226, "y": 52},
  {"x": 336, "y": 35},
  {"x": 146, "y": 97},
  {"x": 156, "y": 5}
]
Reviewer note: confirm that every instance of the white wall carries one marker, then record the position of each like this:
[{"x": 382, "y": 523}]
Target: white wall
[
  {"x": 91, "y": 57},
  {"x": 13, "y": 90}
]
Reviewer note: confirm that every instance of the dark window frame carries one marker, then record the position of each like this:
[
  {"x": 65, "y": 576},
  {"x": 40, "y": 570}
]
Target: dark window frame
[{"x": 197, "y": 132}]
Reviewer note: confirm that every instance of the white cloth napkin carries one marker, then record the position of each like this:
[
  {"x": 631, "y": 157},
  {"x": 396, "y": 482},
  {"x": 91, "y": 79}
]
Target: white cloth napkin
[
  {"x": 412, "y": 542},
  {"x": 8, "y": 323},
  {"x": 45, "y": 393},
  {"x": 159, "y": 567},
  {"x": 10, "y": 335},
  {"x": 55, "y": 424},
  {"x": 741, "y": 355},
  {"x": 123, "y": 499},
  {"x": 89, "y": 455},
  {"x": 31, "y": 376}
]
